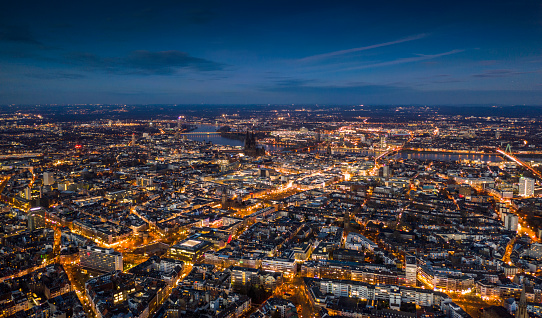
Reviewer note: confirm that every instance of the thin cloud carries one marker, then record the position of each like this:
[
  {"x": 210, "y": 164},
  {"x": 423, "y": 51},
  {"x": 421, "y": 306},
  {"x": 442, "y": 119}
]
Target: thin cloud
[
  {"x": 17, "y": 34},
  {"x": 500, "y": 73},
  {"x": 363, "y": 48},
  {"x": 143, "y": 63},
  {"x": 418, "y": 58},
  {"x": 56, "y": 75},
  {"x": 313, "y": 87},
  {"x": 167, "y": 62}
]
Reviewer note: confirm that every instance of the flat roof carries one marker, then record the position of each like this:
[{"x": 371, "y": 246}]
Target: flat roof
[{"x": 190, "y": 243}]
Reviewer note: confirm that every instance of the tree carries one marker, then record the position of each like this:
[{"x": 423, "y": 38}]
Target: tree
[
  {"x": 408, "y": 307},
  {"x": 382, "y": 304}
]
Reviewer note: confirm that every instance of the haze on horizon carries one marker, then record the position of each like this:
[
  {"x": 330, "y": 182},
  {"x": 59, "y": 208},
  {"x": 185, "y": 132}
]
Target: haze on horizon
[{"x": 256, "y": 52}]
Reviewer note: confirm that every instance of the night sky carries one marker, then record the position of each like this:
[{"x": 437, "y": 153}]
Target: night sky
[{"x": 260, "y": 52}]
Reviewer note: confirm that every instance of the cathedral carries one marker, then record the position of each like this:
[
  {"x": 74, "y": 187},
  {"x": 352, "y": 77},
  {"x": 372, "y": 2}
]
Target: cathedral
[{"x": 251, "y": 148}]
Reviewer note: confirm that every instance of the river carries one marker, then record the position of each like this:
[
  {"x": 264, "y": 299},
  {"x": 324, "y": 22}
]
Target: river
[
  {"x": 219, "y": 140},
  {"x": 215, "y": 139}
]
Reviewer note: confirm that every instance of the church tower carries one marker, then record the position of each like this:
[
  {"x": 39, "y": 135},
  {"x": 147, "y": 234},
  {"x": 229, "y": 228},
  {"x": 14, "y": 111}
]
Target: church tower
[{"x": 521, "y": 312}]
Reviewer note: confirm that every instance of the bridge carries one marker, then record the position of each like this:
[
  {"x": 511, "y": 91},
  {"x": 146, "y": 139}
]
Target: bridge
[
  {"x": 323, "y": 149},
  {"x": 21, "y": 155},
  {"x": 200, "y": 134},
  {"x": 389, "y": 152},
  {"x": 520, "y": 162},
  {"x": 195, "y": 133},
  {"x": 394, "y": 150}
]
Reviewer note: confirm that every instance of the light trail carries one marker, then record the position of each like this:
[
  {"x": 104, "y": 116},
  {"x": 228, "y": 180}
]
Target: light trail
[{"x": 520, "y": 162}]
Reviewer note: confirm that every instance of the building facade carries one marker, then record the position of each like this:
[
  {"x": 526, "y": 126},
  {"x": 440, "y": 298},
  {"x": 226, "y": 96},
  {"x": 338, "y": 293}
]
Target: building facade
[{"x": 101, "y": 259}]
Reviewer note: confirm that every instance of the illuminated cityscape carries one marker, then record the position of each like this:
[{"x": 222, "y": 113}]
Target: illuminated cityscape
[
  {"x": 261, "y": 211},
  {"x": 271, "y": 159}
]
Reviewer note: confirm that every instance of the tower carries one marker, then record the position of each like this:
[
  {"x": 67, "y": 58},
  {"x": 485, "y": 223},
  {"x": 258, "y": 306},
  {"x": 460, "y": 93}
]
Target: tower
[
  {"x": 508, "y": 149},
  {"x": 133, "y": 139},
  {"x": 521, "y": 312}
]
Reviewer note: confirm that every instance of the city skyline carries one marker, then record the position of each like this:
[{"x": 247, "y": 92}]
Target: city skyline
[
  {"x": 252, "y": 211},
  {"x": 213, "y": 52}
]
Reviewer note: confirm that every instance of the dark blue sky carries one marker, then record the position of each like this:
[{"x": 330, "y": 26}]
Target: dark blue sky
[{"x": 229, "y": 52}]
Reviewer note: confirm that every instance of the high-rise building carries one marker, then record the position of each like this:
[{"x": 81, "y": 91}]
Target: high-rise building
[
  {"x": 36, "y": 218},
  {"x": 510, "y": 221},
  {"x": 386, "y": 173},
  {"x": 134, "y": 139},
  {"x": 526, "y": 187},
  {"x": 27, "y": 193},
  {"x": 48, "y": 178},
  {"x": 411, "y": 270},
  {"x": 101, "y": 259},
  {"x": 180, "y": 122}
]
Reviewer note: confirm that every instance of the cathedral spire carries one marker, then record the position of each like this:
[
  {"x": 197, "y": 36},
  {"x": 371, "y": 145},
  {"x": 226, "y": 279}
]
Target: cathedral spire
[{"x": 521, "y": 312}]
